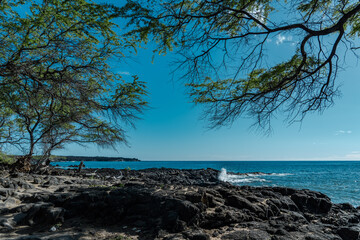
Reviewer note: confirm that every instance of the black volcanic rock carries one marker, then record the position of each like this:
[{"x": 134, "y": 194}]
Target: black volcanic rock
[
  {"x": 96, "y": 158},
  {"x": 170, "y": 204}
]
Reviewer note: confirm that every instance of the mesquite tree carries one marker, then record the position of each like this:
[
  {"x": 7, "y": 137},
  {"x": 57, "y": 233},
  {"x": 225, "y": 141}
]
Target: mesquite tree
[
  {"x": 56, "y": 84},
  {"x": 223, "y": 43}
]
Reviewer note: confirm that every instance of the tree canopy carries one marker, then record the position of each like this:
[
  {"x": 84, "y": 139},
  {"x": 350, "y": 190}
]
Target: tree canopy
[
  {"x": 56, "y": 83},
  {"x": 223, "y": 43}
]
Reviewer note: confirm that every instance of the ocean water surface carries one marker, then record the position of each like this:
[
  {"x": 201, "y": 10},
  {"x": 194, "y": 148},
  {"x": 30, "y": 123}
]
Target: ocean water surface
[{"x": 340, "y": 180}]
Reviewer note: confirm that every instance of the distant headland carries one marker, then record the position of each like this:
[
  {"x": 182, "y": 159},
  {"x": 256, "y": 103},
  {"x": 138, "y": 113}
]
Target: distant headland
[{"x": 97, "y": 158}]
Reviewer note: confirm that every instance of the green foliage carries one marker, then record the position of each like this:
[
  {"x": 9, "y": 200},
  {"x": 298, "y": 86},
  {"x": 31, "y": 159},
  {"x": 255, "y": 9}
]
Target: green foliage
[
  {"x": 56, "y": 84},
  {"x": 222, "y": 47},
  {"x": 280, "y": 77},
  {"x": 6, "y": 159},
  {"x": 167, "y": 21}
]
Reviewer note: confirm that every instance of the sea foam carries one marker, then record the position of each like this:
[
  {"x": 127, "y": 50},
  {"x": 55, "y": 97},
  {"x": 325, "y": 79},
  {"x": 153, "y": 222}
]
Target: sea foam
[
  {"x": 280, "y": 174},
  {"x": 247, "y": 178},
  {"x": 232, "y": 178}
]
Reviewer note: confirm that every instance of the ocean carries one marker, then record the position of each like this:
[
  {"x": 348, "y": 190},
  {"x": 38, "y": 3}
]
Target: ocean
[{"x": 340, "y": 180}]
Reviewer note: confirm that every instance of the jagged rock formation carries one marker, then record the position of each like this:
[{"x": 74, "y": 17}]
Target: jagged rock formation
[{"x": 164, "y": 204}]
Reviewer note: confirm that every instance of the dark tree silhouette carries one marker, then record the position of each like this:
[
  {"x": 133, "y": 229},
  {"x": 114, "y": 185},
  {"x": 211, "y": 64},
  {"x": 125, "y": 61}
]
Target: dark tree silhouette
[
  {"x": 222, "y": 44},
  {"x": 55, "y": 82}
]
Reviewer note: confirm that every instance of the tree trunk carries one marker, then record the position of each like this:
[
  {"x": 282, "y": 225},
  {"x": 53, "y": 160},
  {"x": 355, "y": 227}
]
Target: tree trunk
[{"x": 23, "y": 164}]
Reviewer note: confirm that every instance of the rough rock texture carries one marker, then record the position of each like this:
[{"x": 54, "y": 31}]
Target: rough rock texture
[{"x": 164, "y": 204}]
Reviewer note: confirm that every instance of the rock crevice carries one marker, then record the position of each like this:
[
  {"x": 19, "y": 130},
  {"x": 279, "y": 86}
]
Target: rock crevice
[{"x": 164, "y": 204}]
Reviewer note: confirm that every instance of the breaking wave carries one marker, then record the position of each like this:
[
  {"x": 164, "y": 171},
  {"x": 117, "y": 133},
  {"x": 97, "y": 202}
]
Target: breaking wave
[
  {"x": 280, "y": 174},
  {"x": 246, "y": 178}
]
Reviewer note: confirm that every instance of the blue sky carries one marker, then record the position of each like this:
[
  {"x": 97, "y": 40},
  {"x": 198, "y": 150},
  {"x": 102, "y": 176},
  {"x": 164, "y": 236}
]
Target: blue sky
[{"x": 172, "y": 128}]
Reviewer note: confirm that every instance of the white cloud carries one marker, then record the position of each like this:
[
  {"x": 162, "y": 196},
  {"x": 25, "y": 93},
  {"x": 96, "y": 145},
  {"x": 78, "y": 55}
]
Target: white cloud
[
  {"x": 124, "y": 73},
  {"x": 280, "y": 39},
  {"x": 340, "y": 132},
  {"x": 259, "y": 13},
  {"x": 355, "y": 155}
]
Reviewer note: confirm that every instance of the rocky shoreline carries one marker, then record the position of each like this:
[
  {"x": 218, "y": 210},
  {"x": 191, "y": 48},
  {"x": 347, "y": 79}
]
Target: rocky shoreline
[
  {"x": 163, "y": 204},
  {"x": 91, "y": 159}
]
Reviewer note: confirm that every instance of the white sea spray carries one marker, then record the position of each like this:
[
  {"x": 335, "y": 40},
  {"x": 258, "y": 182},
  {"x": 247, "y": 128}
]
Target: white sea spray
[{"x": 233, "y": 178}]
